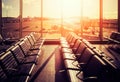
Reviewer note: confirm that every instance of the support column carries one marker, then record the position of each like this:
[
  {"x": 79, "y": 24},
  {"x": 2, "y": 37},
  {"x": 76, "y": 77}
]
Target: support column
[
  {"x": 101, "y": 21},
  {"x": 41, "y": 18},
  {"x": 118, "y": 15},
  {"x": 20, "y": 17},
  {"x": 61, "y": 28},
  {"x": 0, "y": 16},
  {"x": 81, "y": 20}
]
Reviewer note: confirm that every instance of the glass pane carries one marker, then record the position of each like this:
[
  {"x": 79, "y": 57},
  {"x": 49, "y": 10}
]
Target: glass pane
[
  {"x": 89, "y": 19},
  {"x": 32, "y": 18},
  {"x": 82, "y": 16},
  {"x": 110, "y": 16},
  {"x": 10, "y": 19}
]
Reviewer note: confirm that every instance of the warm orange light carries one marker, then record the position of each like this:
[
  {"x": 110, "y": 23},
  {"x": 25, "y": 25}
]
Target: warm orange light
[
  {"x": 77, "y": 8},
  {"x": 91, "y": 8},
  {"x": 52, "y": 8},
  {"x": 71, "y": 8}
]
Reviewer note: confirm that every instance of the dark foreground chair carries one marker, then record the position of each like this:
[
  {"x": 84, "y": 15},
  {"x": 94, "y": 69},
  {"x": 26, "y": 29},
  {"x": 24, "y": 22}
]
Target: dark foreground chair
[
  {"x": 95, "y": 71},
  {"x": 12, "y": 69}
]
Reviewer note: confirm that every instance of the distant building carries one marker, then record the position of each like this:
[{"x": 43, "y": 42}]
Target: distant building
[{"x": 10, "y": 20}]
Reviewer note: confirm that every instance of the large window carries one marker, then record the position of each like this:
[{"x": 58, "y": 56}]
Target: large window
[
  {"x": 110, "y": 10},
  {"x": 82, "y": 16},
  {"x": 10, "y": 18}
]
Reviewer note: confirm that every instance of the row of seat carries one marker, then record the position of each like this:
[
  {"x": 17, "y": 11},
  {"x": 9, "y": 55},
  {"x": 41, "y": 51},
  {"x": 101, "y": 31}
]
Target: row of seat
[
  {"x": 114, "y": 40},
  {"x": 6, "y": 41},
  {"x": 83, "y": 62},
  {"x": 97, "y": 51},
  {"x": 18, "y": 62},
  {"x": 114, "y": 37}
]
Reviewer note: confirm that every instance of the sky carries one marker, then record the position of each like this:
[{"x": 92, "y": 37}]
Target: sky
[{"x": 53, "y": 8}]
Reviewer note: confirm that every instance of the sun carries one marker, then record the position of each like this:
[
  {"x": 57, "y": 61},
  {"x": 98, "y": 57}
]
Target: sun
[{"x": 71, "y": 8}]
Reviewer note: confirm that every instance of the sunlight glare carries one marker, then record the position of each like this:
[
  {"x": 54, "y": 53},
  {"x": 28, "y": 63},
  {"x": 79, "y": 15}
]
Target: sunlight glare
[{"x": 71, "y": 8}]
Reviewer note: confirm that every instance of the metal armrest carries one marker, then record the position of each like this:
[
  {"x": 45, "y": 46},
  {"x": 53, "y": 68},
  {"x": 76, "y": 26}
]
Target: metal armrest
[
  {"x": 82, "y": 64},
  {"x": 81, "y": 77},
  {"x": 74, "y": 56},
  {"x": 77, "y": 56},
  {"x": 90, "y": 78},
  {"x": 79, "y": 65},
  {"x": 11, "y": 69},
  {"x": 29, "y": 53}
]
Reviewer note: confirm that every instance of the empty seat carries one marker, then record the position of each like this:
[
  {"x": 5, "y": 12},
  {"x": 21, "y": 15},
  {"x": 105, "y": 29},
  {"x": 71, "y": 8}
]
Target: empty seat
[
  {"x": 3, "y": 48},
  {"x": 37, "y": 41},
  {"x": 80, "y": 49},
  {"x": 77, "y": 53},
  {"x": 3, "y": 76},
  {"x": 21, "y": 58},
  {"x": 70, "y": 45},
  {"x": 114, "y": 38},
  {"x": 85, "y": 57},
  {"x": 26, "y": 50},
  {"x": 29, "y": 45},
  {"x": 33, "y": 43},
  {"x": 76, "y": 45},
  {"x": 6, "y": 41},
  {"x": 66, "y": 37},
  {"x": 37, "y": 36},
  {"x": 12, "y": 68},
  {"x": 88, "y": 44},
  {"x": 81, "y": 62},
  {"x": 67, "y": 43},
  {"x": 95, "y": 71},
  {"x": 74, "y": 49}
]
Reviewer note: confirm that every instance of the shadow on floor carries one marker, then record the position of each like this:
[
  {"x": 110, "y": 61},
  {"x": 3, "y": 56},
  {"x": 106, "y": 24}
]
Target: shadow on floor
[{"x": 60, "y": 74}]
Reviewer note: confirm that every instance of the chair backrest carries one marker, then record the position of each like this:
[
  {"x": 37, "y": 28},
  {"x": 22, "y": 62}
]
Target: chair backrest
[
  {"x": 3, "y": 76},
  {"x": 113, "y": 35},
  {"x": 81, "y": 48},
  {"x": 24, "y": 47},
  {"x": 95, "y": 67},
  {"x": 27, "y": 42},
  {"x": 18, "y": 54},
  {"x": 88, "y": 44},
  {"x": 36, "y": 35},
  {"x": 74, "y": 39},
  {"x": 70, "y": 38},
  {"x": 86, "y": 56},
  {"x": 112, "y": 64},
  {"x": 33, "y": 37},
  {"x": 8, "y": 63},
  {"x": 76, "y": 45},
  {"x": 31, "y": 40}
]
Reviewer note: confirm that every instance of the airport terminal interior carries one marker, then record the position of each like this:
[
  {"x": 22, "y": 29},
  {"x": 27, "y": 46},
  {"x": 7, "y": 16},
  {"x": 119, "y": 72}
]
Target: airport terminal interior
[{"x": 59, "y": 40}]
